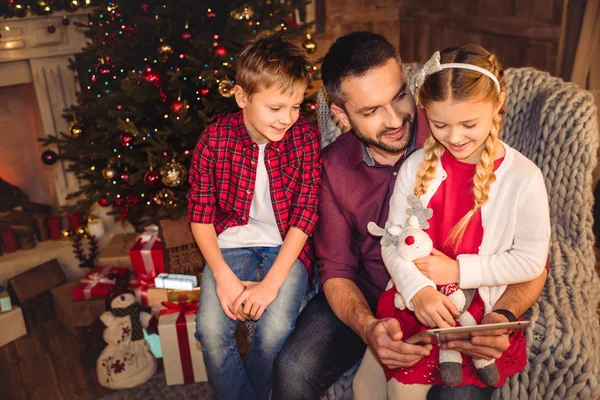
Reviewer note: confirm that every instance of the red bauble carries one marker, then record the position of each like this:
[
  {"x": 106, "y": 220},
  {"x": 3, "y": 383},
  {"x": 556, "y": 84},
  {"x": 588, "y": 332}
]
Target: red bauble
[
  {"x": 290, "y": 22},
  {"x": 151, "y": 178},
  {"x": 186, "y": 35},
  {"x": 125, "y": 177},
  {"x": 65, "y": 21},
  {"x": 125, "y": 139},
  {"x": 176, "y": 106},
  {"x": 151, "y": 76},
  {"x": 204, "y": 92},
  {"x": 104, "y": 202},
  {"x": 221, "y": 51},
  {"x": 51, "y": 29}
]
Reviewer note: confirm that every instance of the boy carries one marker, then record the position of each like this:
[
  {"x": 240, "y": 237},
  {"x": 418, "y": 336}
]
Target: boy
[{"x": 253, "y": 204}]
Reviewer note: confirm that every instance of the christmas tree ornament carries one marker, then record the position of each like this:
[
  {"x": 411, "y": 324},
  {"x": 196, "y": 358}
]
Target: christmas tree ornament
[
  {"x": 125, "y": 139},
  {"x": 109, "y": 173},
  {"x": 165, "y": 49},
  {"x": 243, "y": 12},
  {"x": 65, "y": 233},
  {"x": 176, "y": 106},
  {"x": 81, "y": 231},
  {"x": 65, "y": 21},
  {"x": 151, "y": 177},
  {"x": 309, "y": 45},
  {"x": 221, "y": 51},
  {"x": 75, "y": 129},
  {"x": 173, "y": 173},
  {"x": 226, "y": 88},
  {"x": 151, "y": 76},
  {"x": 125, "y": 176},
  {"x": 166, "y": 198},
  {"x": 104, "y": 202},
  {"x": 49, "y": 157},
  {"x": 51, "y": 29}
]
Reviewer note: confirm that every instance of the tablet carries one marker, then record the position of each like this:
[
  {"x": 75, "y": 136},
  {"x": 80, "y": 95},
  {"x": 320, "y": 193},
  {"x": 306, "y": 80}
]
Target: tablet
[{"x": 441, "y": 335}]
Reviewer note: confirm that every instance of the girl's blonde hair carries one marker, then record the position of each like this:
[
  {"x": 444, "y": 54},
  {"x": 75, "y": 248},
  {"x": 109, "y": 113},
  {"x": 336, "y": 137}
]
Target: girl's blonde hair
[{"x": 461, "y": 84}]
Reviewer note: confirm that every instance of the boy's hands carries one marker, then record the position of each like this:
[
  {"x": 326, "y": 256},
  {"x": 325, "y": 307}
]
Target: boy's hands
[
  {"x": 229, "y": 287},
  {"x": 255, "y": 299},
  {"x": 434, "y": 309}
]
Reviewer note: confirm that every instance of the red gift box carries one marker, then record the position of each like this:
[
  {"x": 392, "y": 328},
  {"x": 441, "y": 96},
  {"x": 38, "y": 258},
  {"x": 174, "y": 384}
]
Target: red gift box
[
  {"x": 96, "y": 284},
  {"x": 182, "y": 354},
  {"x": 147, "y": 253},
  {"x": 140, "y": 286}
]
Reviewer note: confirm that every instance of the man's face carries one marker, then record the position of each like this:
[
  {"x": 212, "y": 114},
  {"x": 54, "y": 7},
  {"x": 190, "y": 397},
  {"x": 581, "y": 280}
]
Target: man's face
[{"x": 380, "y": 108}]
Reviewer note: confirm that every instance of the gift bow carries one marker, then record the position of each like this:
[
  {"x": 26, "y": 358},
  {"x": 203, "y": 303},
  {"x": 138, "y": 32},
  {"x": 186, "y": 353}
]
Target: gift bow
[
  {"x": 95, "y": 278},
  {"x": 183, "y": 307},
  {"x": 151, "y": 231},
  {"x": 143, "y": 281}
]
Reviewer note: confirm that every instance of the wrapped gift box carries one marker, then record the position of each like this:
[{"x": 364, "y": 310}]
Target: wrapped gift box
[
  {"x": 147, "y": 253},
  {"x": 116, "y": 252},
  {"x": 182, "y": 354},
  {"x": 5, "y": 303},
  {"x": 75, "y": 314},
  {"x": 158, "y": 296},
  {"x": 176, "y": 281},
  {"x": 140, "y": 286},
  {"x": 97, "y": 283},
  {"x": 12, "y": 325}
]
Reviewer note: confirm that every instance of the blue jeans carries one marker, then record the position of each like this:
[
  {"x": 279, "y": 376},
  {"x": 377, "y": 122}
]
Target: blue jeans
[
  {"x": 229, "y": 377},
  {"x": 322, "y": 348}
]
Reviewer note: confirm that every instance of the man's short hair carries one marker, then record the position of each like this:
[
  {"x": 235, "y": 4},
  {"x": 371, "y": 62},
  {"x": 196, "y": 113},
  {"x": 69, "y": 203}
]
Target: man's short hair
[
  {"x": 354, "y": 55},
  {"x": 269, "y": 60}
]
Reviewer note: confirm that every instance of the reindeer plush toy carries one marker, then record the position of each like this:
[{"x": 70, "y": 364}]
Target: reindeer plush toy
[{"x": 400, "y": 246}]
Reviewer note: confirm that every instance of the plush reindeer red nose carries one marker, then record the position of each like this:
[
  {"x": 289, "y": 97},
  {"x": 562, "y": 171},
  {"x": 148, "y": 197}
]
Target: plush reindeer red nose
[{"x": 409, "y": 240}]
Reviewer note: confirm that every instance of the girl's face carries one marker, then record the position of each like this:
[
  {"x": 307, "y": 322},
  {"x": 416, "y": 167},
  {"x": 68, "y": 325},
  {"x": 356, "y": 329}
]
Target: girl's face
[{"x": 462, "y": 126}]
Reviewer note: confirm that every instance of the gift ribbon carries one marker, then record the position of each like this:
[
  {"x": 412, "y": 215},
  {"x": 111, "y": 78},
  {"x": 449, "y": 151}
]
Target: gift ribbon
[
  {"x": 147, "y": 239},
  {"x": 93, "y": 279},
  {"x": 183, "y": 308},
  {"x": 143, "y": 282}
]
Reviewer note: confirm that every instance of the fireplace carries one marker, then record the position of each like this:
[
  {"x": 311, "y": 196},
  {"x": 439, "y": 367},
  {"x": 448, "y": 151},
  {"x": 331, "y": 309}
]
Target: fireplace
[{"x": 36, "y": 86}]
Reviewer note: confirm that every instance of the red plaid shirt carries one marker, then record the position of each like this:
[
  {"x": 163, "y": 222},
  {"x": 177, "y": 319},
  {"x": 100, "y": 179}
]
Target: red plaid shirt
[{"x": 223, "y": 172}]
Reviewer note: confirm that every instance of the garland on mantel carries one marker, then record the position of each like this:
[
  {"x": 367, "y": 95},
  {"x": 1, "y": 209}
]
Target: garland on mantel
[{"x": 22, "y": 8}]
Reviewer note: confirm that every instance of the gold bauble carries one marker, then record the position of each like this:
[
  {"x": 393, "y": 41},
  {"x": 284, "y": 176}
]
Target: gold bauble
[
  {"x": 75, "y": 129},
  {"x": 82, "y": 231},
  {"x": 65, "y": 233},
  {"x": 165, "y": 198},
  {"x": 109, "y": 173},
  {"x": 309, "y": 45},
  {"x": 165, "y": 49},
  {"x": 173, "y": 174},
  {"x": 226, "y": 88}
]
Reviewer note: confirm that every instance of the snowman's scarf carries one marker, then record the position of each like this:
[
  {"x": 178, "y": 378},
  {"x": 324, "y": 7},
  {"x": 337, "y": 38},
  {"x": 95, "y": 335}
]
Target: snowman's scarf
[{"x": 133, "y": 311}]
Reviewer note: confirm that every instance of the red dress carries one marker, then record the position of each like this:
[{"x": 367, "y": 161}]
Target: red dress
[{"x": 450, "y": 203}]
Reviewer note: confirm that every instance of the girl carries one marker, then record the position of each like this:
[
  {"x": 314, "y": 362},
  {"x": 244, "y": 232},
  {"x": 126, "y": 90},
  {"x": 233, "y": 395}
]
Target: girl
[{"x": 490, "y": 226}]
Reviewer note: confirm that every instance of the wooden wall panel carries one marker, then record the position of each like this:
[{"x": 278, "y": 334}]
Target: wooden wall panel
[{"x": 521, "y": 32}]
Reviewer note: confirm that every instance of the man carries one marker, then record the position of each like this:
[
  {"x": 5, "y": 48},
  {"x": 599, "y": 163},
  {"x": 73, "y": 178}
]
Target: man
[{"x": 363, "y": 76}]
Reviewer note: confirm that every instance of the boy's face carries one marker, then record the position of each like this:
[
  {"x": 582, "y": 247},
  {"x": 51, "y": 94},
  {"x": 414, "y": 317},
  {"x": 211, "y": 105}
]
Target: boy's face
[
  {"x": 379, "y": 107},
  {"x": 269, "y": 113}
]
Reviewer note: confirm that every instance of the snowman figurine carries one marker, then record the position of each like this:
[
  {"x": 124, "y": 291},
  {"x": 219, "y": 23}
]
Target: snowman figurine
[{"x": 126, "y": 361}]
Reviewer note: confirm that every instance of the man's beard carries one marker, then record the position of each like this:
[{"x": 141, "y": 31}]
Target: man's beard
[{"x": 390, "y": 148}]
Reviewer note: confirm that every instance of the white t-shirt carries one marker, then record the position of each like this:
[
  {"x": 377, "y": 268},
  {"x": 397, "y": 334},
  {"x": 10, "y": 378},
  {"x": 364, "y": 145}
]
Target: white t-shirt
[{"x": 261, "y": 230}]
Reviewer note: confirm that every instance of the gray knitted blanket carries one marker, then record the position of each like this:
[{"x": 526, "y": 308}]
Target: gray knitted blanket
[{"x": 554, "y": 124}]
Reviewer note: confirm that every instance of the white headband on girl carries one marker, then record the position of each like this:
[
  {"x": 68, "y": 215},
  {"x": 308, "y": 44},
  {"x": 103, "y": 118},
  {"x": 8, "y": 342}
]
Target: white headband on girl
[{"x": 433, "y": 65}]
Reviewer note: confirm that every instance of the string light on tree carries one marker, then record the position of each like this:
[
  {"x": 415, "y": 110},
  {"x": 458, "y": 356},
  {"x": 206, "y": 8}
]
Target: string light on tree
[{"x": 109, "y": 173}]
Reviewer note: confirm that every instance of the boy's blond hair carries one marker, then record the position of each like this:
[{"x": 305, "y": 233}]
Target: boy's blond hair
[{"x": 269, "y": 60}]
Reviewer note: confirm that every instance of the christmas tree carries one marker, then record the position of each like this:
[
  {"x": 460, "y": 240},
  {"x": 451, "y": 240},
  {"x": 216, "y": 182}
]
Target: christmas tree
[{"x": 155, "y": 74}]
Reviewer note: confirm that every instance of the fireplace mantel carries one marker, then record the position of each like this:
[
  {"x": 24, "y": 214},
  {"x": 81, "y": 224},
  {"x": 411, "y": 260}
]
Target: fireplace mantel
[{"x": 29, "y": 54}]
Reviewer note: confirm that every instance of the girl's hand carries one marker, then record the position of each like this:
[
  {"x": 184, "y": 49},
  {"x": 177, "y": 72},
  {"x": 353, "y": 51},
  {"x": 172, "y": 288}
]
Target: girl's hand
[
  {"x": 255, "y": 299},
  {"x": 440, "y": 268},
  {"x": 229, "y": 288},
  {"x": 434, "y": 309}
]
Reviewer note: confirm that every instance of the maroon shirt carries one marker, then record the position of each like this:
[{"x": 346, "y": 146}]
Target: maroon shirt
[
  {"x": 223, "y": 173},
  {"x": 355, "y": 191}
]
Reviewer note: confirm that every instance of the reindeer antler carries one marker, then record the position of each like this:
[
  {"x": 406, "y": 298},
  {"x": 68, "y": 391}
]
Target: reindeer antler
[{"x": 421, "y": 213}]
